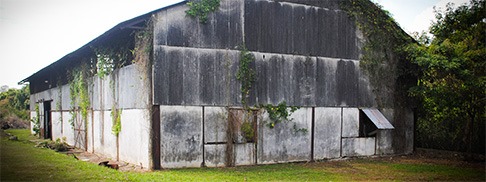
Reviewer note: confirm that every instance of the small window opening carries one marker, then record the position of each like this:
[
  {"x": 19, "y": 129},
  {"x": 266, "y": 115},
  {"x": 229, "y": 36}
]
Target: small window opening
[
  {"x": 371, "y": 121},
  {"x": 366, "y": 126}
]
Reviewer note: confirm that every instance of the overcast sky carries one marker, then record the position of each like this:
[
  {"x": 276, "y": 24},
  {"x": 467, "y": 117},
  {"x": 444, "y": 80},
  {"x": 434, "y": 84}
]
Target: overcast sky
[{"x": 36, "y": 33}]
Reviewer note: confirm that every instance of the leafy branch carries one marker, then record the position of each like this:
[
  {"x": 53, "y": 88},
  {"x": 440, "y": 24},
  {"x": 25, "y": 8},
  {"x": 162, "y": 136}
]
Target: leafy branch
[{"x": 201, "y": 9}]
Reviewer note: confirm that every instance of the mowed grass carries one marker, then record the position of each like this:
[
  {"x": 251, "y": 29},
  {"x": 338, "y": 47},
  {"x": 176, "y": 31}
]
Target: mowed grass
[{"x": 21, "y": 161}]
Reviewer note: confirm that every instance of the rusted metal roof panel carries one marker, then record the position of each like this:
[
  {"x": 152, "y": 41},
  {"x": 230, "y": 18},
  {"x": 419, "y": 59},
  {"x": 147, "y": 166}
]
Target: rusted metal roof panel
[{"x": 377, "y": 118}]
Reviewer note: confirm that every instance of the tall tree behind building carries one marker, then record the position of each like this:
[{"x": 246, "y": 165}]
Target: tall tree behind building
[{"x": 452, "y": 84}]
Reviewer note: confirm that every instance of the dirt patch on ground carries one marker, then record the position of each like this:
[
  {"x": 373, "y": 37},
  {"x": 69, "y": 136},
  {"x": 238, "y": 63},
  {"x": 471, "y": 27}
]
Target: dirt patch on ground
[{"x": 98, "y": 158}]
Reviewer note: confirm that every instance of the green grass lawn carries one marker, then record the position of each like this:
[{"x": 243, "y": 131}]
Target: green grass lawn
[{"x": 21, "y": 161}]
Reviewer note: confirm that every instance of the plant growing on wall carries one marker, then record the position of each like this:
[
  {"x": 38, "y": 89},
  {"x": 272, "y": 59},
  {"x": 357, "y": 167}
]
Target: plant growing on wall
[
  {"x": 116, "y": 118},
  {"x": 278, "y": 113},
  {"x": 109, "y": 57},
  {"x": 383, "y": 58},
  {"x": 35, "y": 120},
  {"x": 104, "y": 64},
  {"x": 79, "y": 95},
  {"x": 246, "y": 75},
  {"x": 281, "y": 113},
  {"x": 247, "y": 130},
  {"x": 201, "y": 9},
  {"x": 59, "y": 99}
]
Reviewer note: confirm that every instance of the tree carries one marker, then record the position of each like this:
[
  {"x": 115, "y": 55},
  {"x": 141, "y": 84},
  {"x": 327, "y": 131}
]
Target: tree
[
  {"x": 15, "y": 102},
  {"x": 452, "y": 83}
]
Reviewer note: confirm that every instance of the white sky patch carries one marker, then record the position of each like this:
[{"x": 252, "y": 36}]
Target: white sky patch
[{"x": 423, "y": 20}]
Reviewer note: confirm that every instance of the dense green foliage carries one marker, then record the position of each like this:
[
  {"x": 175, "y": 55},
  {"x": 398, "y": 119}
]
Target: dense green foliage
[
  {"x": 452, "y": 83},
  {"x": 23, "y": 162},
  {"x": 200, "y": 9},
  {"x": 15, "y": 102}
]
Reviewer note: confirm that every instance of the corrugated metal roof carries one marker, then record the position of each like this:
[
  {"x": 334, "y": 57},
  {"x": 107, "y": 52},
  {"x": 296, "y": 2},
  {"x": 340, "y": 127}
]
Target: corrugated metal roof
[{"x": 377, "y": 118}]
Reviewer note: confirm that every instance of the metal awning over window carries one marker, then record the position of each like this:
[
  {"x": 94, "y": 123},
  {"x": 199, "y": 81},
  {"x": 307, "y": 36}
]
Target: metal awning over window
[{"x": 378, "y": 119}]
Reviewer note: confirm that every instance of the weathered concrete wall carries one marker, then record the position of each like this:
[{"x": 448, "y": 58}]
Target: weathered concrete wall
[
  {"x": 358, "y": 146},
  {"x": 105, "y": 140},
  {"x": 215, "y": 155},
  {"x": 189, "y": 76},
  {"x": 134, "y": 137},
  {"x": 245, "y": 154},
  {"x": 385, "y": 138},
  {"x": 215, "y": 124},
  {"x": 327, "y": 133},
  {"x": 57, "y": 123},
  {"x": 350, "y": 122},
  {"x": 181, "y": 136},
  {"x": 306, "y": 54},
  {"x": 182, "y": 129},
  {"x": 126, "y": 85},
  {"x": 124, "y": 89},
  {"x": 33, "y": 115},
  {"x": 282, "y": 143},
  {"x": 68, "y": 130},
  {"x": 223, "y": 29},
  {"x": 289, "y": 28}
]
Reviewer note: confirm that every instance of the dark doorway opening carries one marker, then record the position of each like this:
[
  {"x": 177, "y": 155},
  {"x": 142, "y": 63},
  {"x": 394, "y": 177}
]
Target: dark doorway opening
[{"x": 47, "y": 120}]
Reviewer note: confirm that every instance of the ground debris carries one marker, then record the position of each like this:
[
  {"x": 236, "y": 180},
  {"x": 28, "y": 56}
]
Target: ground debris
[{"x": 109, "y": 165}]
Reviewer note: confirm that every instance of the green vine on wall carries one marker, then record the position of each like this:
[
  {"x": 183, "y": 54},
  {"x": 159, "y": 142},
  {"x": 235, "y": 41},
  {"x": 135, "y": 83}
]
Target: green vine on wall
[
  {"x": 281, "y": 113},
  {"x": 278, "y": 113},
  {"x": 36, "y": 120},
  {"x": 59, "y": 99},
  {"x": 116, "y": 119},
  {"x": 246, "y": 75},
  {"x": 110, "y": 57},
  {"x": 79, "y": 95},
  {"x": 104, "y": 65},
  {"x": 247, "y": 131},
  {"x": 383, "y": 57},
  {"x": 383, "y": 36},
  {"x": 201, "y": 9}
]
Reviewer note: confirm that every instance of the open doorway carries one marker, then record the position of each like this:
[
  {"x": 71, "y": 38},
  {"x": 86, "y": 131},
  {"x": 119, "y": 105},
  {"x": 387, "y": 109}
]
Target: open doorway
[{"x": 47, "y": 120}]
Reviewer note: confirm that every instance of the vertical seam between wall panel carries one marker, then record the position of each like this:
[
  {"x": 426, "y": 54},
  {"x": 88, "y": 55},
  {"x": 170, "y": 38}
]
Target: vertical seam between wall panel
[
  {"x": 156, "y": 137},
  {"x": 341, "y": 137},
  {"x": 312, "y": 133},
  {"x": 203, "y": 164}
]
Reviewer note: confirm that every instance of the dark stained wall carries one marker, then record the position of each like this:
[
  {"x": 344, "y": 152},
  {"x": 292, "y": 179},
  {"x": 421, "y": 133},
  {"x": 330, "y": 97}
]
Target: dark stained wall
[
  {"x": 305, "y": 55},
  {"x": 282, "y": 27},
  {"x": 189, "y": 76},
  {"x": 223, "y": 30},
  {"x": 195, "y": 76}
]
